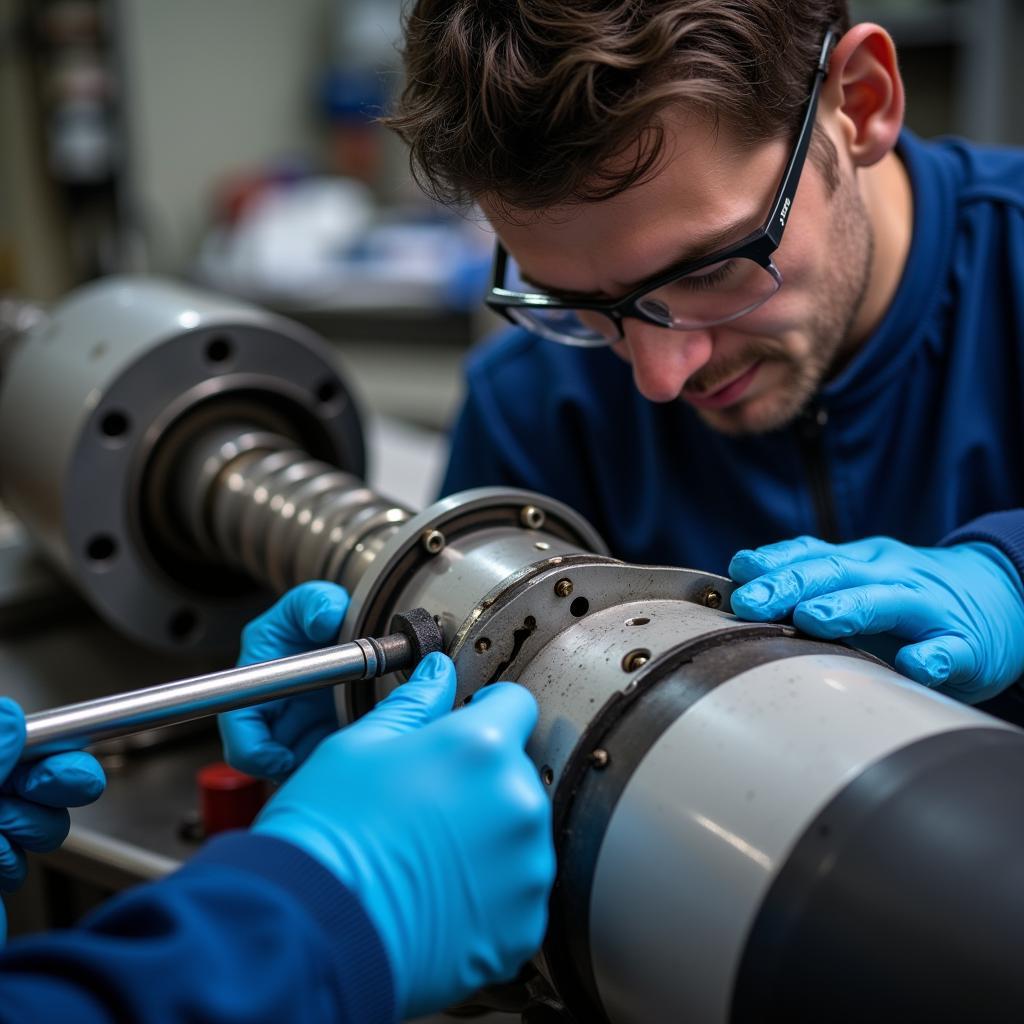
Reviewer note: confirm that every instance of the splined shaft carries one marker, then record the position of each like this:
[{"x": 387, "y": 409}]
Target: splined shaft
[{"x": 252, "y": 499}]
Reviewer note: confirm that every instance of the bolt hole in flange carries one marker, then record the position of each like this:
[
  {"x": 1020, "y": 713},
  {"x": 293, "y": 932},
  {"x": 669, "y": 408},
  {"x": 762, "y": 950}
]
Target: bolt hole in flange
[
  {"x": 183, "y": 625},
  {"x": 580, "y": 607},
  {"x": 101, "y": 550},
  {"x": 330, "y": 396},
  {"x": 115, "y": 427},
  {"x": 219, "y": 350}
]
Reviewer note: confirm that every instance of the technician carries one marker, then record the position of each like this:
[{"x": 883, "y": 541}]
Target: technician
[
  {"x": 720, "y": 345},
  {"x": 749, "y": 305},
  {"x": 405, "y": 864}
]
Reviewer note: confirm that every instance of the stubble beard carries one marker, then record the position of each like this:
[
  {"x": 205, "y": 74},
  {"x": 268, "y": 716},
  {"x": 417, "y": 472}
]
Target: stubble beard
[{"x": 823, "y": 346}]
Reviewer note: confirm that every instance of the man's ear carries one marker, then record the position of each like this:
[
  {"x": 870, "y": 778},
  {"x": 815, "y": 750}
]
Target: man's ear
[{"x": 863, "y": 94}]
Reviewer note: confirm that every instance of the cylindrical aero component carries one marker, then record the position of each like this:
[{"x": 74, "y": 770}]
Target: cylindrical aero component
[
  {"x": 78, "y": 725},
  {"x": 99, "y": 399},
  {"x": 757, "y": 827}
]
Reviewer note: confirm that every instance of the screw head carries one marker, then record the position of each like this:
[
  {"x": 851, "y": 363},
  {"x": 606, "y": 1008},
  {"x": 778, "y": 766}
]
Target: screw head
[
  {"x": 532, "y": 517},
  {"x": 482, "y": 646},
  {"x": 433, "y": 542},
  {"x": 635, "y": 659},
  {"x": 711, "y": 598},
  {"x": 599, "y": 758},
  {"x": 563, "y": 588}
]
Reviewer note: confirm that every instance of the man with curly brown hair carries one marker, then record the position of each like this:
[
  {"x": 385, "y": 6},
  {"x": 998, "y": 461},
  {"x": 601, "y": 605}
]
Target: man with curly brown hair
[{"x": 720, "y": 344}]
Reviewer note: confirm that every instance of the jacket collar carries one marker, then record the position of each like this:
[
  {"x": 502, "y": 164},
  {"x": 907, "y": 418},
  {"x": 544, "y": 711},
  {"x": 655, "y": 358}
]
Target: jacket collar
[{"x": 923, "y": 288}]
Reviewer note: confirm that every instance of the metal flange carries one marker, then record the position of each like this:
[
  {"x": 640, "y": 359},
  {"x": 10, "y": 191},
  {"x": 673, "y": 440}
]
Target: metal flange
[{"x": 457, "y": 518}]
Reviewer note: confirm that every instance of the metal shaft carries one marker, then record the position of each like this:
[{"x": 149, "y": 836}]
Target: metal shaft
[
  {"x": 254, "y": 500},
  {"x": 77, "y": 725}
]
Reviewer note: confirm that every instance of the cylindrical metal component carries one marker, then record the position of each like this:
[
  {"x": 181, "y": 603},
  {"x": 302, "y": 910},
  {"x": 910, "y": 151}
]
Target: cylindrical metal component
[
  {"x": 725, "y": 752},
  {"x": 488, "y": 552},
  {"x": 184, "y": 700},
  {"x": 101, "y": 398},
  {"x": 253, "y": 500}
]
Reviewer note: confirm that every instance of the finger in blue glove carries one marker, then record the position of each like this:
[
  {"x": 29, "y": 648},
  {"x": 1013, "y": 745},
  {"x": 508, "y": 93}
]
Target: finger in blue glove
[
  {"x": 34, "y": 797},
  {"x": 961, "y": 608},
  {"x": 70, "y": 779},
  {"x": 270, "y": 740}
]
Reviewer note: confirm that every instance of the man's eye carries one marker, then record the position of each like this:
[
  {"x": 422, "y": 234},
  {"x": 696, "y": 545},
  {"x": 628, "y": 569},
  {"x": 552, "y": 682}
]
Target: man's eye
[{"x": 709, "y": 277}]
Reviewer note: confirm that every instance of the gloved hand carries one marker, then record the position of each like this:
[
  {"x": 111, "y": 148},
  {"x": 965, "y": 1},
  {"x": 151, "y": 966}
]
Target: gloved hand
[
  {"x": 959, "y": 610},
  {"x": 270, "y": 740},
  {"x": 438, "y": 822},
  {"x": 34, "y": 798}
]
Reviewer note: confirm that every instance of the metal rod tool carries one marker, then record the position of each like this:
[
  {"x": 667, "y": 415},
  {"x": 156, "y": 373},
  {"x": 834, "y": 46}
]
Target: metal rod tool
[{"x": 415, "y": 635}]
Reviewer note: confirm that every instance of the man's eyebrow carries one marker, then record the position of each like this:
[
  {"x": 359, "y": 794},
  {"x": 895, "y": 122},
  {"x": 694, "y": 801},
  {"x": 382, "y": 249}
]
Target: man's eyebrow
[{"x": 693, "y": 250}]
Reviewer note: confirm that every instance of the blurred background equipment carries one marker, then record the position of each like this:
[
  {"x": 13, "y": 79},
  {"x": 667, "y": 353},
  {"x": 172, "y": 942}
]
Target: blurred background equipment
[{"x": 235, "y": 144}]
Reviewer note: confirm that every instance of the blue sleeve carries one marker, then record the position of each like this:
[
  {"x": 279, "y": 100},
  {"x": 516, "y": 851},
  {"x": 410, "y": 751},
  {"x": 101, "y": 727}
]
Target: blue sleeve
[
  {"x": 251, "y": 929},
  {"x": 1003, "y": 530}
]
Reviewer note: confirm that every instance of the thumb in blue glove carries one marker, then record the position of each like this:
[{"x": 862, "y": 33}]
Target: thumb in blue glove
[
  {"x": 956, "y": 614},
  {"x": 270, "y": 740},
  {"x": 34, "y": 798},
  {"x": 438, "y": 822}
]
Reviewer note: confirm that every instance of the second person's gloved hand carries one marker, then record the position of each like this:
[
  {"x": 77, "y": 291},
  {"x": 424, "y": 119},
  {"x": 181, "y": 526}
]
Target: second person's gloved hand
[
  {"x": 959, "y": 611},
  {"x": 34, "y": 798},
  {"x": 270, "y": 740},
  {"x": 439, "y": 824}
]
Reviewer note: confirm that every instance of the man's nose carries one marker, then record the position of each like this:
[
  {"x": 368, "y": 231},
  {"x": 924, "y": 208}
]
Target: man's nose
[{"x": 663, "y": 360}]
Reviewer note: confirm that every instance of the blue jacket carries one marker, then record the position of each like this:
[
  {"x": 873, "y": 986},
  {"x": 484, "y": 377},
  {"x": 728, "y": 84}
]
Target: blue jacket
[
  {"x": 251, "y": 930},
  {"x": 922, "y": 434}
]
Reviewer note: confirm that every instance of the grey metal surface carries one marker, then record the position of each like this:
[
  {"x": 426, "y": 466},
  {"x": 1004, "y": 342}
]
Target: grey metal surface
[
  {"x": 719, "y": 801},
  {"x": 89, "y": 395},
  {"x": 574, "y": 674},
  {"x": 406, "y": 566},
  {"x": 255, "y": 501},
  {"x": 473, "y": 571},
  {"x": 184, "y": 700}
]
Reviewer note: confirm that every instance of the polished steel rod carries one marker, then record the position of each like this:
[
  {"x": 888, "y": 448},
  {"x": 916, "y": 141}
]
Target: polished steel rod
[{"x": 78, "y": 725}]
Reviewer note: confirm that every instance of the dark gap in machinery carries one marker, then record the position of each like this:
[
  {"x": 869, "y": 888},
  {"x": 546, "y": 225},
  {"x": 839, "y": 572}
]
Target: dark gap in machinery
[{"x": 519, "y": 637}]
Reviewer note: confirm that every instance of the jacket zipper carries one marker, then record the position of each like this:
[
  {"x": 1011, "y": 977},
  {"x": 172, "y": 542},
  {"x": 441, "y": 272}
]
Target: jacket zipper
[{"x": 810, "y": 429}]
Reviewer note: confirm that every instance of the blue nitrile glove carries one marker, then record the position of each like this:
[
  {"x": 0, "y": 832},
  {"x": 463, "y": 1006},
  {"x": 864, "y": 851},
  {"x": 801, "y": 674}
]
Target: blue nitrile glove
[
  {"x": 34, "y": 798},
  {"x": 959, "y": 610},
  {"x": 270, "y": 740},
  {"x": 438, "y": 822}
]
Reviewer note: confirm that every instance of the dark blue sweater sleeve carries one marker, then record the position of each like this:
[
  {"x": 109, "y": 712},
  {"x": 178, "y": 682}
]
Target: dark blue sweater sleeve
[
  {"x": 251, "y": 929},
  {"x": 485, "y": 451},
  {"x": 1003, "y": 530}
]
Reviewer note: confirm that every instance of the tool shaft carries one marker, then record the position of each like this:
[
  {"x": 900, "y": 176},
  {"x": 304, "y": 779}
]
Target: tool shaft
[{"x": 77, "y": 725}]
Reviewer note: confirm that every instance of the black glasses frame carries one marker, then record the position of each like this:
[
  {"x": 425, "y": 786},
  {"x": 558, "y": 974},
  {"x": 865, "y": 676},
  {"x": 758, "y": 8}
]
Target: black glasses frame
[{"x": 759, "y": 246}]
